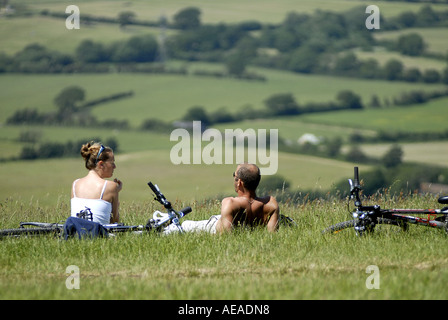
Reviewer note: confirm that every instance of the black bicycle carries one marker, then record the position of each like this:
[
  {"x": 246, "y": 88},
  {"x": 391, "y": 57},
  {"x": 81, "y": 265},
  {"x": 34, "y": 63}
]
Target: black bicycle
[
  {"x": 366, "y": 218},
  {"x": 158, "y": 223}
]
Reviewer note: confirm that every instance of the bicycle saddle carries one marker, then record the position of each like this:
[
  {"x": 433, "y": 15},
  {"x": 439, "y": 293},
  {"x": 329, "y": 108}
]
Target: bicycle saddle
[{"x": 443, "y": 200}]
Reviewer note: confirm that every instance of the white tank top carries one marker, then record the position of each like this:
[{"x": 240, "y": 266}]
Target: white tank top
[{"x": 101, "y": 209}]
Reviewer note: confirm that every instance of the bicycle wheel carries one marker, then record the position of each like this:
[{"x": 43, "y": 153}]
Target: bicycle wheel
[
  {"x": 381, "y": 224},
  {"x": 28, "y": 231}
]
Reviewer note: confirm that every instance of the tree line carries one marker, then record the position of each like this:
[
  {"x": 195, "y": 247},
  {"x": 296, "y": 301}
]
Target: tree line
[
  {"x": 72, "y": 109},
  {"x": 304, "y": 43}
]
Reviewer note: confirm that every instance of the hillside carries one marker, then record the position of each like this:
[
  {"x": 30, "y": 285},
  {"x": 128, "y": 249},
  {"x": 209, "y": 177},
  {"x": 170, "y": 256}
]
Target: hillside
[{"x": 339, "y": 56}]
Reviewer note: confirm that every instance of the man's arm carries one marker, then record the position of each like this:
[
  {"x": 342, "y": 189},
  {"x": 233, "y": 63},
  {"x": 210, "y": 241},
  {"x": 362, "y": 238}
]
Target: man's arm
[
  {"x": 225, "y": 223},
  {"x": 273, "y": 220}
]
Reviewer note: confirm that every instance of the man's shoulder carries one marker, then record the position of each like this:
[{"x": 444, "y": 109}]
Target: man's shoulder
[{"x": 268, "y": 200}]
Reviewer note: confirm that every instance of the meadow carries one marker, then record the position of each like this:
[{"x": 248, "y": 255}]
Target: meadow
[{"x": 295, "y": 263}]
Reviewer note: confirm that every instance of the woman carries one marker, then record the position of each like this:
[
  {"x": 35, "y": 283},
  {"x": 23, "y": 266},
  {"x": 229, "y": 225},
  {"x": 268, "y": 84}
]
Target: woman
[{"x": 93, "y": 191}]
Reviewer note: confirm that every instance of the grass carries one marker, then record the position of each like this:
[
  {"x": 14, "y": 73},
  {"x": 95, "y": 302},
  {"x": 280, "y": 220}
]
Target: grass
[
  {"x": 229, "y": 12},
  {"x": 434, "y": 38},
  {"x": 295, "y": 263},
  {"x": 47, "y": 182},
  {"x": 52, "y": 33},
  {"x": 168, "y": 97},
  {"x": 433, "y": 152},
  {"x": 420, "y": 63},
  {"x": 416, "y": 118}
]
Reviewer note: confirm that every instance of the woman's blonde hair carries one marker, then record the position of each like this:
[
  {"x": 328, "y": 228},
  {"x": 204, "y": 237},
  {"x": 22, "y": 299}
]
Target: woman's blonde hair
[{"x": 93, "y": 152}]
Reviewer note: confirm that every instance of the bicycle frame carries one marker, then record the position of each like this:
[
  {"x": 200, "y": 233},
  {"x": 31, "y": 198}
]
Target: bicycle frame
[
  {"x": 366, "y": 217},
  {"x": 159, "y": 220},
  {"x": 157, "y": 223}
]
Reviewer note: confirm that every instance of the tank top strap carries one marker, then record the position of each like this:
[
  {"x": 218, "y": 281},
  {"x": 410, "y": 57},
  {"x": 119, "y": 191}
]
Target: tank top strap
[
  {"x": 74, "y": 182},
  {"x": 104, "y": 188}
]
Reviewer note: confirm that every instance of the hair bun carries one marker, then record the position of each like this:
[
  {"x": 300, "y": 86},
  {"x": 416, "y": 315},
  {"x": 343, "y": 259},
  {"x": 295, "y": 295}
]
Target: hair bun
[{"x": 86, "y": 150}]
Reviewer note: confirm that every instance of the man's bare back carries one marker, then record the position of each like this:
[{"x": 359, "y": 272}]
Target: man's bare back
[
  {"x": 250, "y": 212},
  {"x": 245, "y": 209}
]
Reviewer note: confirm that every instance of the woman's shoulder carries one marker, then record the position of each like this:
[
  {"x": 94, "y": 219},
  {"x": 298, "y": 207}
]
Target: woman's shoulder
[{"x": 112, "y": 186}]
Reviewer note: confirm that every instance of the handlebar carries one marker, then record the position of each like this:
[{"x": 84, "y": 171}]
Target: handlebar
[
  {"x": 159, "y": 195},
  {"x": 355, "y": 187},
  {"x": 172, "y": 215}
]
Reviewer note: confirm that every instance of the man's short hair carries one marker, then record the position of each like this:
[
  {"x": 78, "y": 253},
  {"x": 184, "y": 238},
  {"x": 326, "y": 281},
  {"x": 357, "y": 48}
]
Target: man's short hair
[{"x": 250, "y": 175}]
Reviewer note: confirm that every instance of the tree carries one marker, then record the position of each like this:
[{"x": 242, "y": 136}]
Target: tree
[
  {"x": 236, "y": 64},
  {"x": 393, "y": 157},
  {"x": 304, "y": 60},
  {"x": 407, "y": 19},
  {"x": 68, "y": 98},
  {"x": 431, "y": 76},
  {"x": 347, "y": 64},
  {"x": 282, "y": 104},
  {"x": 411, "y": 44},
  {"x": 412, "y": 75},
  {"x": 393, "y": 69},
  {"x": 333, "y": 147},
  {"x": 197, "y": 113},
  {"x": 188, "y": 18},
  {"x": 356, "y": 155},
  {"x": 125, "y": 18},
  {"x": 136, "y": 49},
  {"x": 347, "y": 98},
  {"x": 89, "y": 51},
  {"x": 445, "y": 76},
  {"x": 426, "y": 16}
]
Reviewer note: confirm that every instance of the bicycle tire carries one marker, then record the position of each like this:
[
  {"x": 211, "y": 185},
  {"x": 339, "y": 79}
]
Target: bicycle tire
[
  {"x": 351, "y": 224},
  {"x": 28, "y": 231}
]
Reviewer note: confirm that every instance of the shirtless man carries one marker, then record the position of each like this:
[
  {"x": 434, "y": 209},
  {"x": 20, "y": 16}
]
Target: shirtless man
[{"x": 245, "y": 209}]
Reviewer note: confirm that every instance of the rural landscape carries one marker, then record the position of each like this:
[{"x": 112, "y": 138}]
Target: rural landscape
[{"x": 329, "y": 85}]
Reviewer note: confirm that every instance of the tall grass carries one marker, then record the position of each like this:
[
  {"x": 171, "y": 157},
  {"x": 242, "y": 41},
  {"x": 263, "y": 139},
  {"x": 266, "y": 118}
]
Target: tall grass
[{"x": 295, "y": 263}]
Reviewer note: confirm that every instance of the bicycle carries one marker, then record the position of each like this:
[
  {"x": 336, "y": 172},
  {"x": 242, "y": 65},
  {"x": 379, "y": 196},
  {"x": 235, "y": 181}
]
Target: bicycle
[
  {"x": 158, "y": 223},
  {"x": 366, "y": 218}
]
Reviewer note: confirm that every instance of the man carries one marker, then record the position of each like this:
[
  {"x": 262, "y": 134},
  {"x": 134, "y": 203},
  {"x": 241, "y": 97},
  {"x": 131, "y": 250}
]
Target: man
[{"x": 246, "y": 209}]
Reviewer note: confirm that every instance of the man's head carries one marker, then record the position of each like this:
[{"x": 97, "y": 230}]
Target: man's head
[{"x": 249, "y": 174}]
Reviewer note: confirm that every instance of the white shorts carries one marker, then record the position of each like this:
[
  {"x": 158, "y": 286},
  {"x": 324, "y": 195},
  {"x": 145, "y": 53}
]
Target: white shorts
[{"x": 202, "y": 225}]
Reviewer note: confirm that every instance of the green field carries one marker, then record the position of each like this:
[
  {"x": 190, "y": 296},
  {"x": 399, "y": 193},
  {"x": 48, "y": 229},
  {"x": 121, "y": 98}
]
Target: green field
[
  {"x": 420, "y": 63},
  {"x": 428, "y": 117},
  {"x": 434, "y": 38},
  {"x": 296, "y": 263},
  {"x": 168, "y": 97},
  {"x": 229, "y": 11},
  {"x": 137, "y": 168},
  {"x": 432, "y": 152}
]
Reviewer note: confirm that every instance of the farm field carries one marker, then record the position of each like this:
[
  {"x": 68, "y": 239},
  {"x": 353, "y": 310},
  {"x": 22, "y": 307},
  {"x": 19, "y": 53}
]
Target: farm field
[
  {"x": 297, "y": 263},
  {"x": 168, "y": 97},
  {"x": 435, "y": 38},
  {"x": 216, "y": 12},
  {"x": 420, "y": 63},
  {"x": 434, "y": 152},
  {"x": 137, "y": 168},
  {"x": 418, "y": 118}
]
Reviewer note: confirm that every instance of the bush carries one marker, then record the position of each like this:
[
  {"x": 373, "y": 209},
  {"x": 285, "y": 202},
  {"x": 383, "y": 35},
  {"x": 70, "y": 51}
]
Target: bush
[
  {"x": 393, "y": 157},
  {"x": 411, "y": 44},
  {"x": 282, "y": 104}
]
